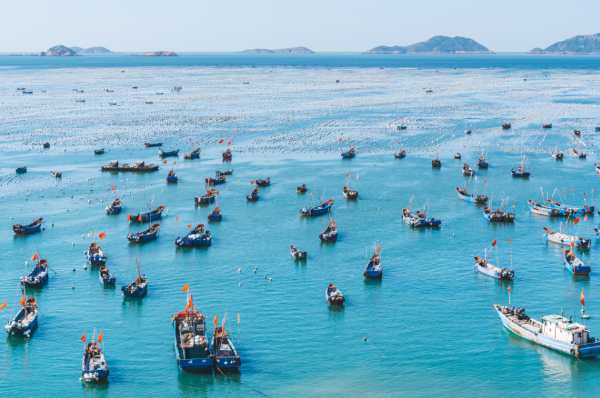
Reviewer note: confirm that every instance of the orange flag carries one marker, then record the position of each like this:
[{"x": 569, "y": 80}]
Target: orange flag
[
  {"x": 189, "y": 304},
  {"x": 563, "y": 190},
  {"x": 378, "y": 249},
  {"x": 176, "y": 218},
  {"x": 576, "y": 221},
  {"x": 229, "y": 142},
  {"x": 100, "y": 337},
  {"x": 509, "y": 289},
  {"x": 494, "y": 242},
  {"x": 571, "y": 189},
  {"x": 35, "y": 257},
  {"x": 585, "y": 218},
  {"x": 347, "y": 174},
  {"x": 165, "y": 162},
  {"x": 140, "y": 218},
  {"x": 129, "y": 217},
  {"x": 573, "y": 244},
  {"x": 582, "y": 298},
  {"x": 112, "y": 189},
  {"x": 185, "y": 288},
  {"x": 252, "y": 182},
  {"x": 102, "y": 235},
  {"x": 217, "y": 192},
  {"x": 340, "y": 140},
  {"x": 23, "y": 301},
  {"x": 220, "y": 142},
  {"x": 194, "y": 307},
  {"x": 215, "y": 321},
  {"x": 189, "y": 225},
  {"x": 508, "y": 240},
  {"x": 3, "y": 306},
  {"x": 485, "y": 180},
  {"x": 82, "y": 338}
]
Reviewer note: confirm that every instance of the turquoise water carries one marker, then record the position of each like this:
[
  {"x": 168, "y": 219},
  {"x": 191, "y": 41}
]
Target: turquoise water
[{"x": 429, "y": 323}]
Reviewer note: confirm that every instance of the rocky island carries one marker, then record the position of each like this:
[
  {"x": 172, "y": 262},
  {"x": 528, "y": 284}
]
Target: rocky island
[
  {"x": 157, "y": 54},
  {"x": 436, "y": 45},
  {"x": 95, "y": 50},
  {"x": 76, "y": 49},
  {"x": 57, "y": 51},
  {"x": 576, "y": 45},
  {"x": 292, "y": 50}
]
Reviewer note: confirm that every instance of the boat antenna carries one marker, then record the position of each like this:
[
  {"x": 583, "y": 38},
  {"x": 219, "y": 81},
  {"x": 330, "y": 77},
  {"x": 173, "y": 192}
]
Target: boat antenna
[{"x": 543, "y": 197}]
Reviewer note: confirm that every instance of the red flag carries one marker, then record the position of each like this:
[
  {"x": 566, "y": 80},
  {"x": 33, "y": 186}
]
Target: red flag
[
  {"x": 571, "y": 189},
  {"x": 185, "y": 288},
  {"x": 189, "y": 225},
  {"x": 563, "y": 190},
  {"x": 319, "y": 220},
  {"x": 348, "y": 138},
  {"x": 399, "y": 142},
  {"x": 347, "y": 174},
  {"x": 494, "y": 243},
  {"x": 340, "y": 140},
  {"x": 112, "y": 189},
  {"x": 82, "y": 338},
  {"x": 189, "y": 304},
  {"x": 35, "y": 257},
  {"x": 102, "y": 235},
  {"x": 508, "y": 240},
  {"x": 576, "y": 221},
  {"x": 165, "y": 162},
  {"x": 378, "y": 249},
  {"x": 23, "y": 301},
  {"x": 252, "y": 182},
  {"x": 585, "y": 218},
  {"x": 3, "y": 306},
  {"x": 220, "y": 142},
  {"x": 100, "y": 337},
  {"x": 140, "y": 218},
  {"x": 217, "y": 192},
  {"x": 509, "y": 289},
  {"x": 573, "y": 244},
  {"x": 176, "y": 218},
  {"x": 129, "y": 217},
  {"x": 229, "y": 142},
  {"x": 485, "y": 180},
  {"x": 582, "y": 298},
  {"x": 190, "y": 139},
  {"x": 215, "y": 321}
]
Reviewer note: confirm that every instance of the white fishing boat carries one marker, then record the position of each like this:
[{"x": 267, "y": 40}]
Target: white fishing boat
[
  {"x": 494, "y": 271},
  {"x": 334, "y": 296},
  {"x": 297, "y": 254},
  {"x": 566, "y": 240}
]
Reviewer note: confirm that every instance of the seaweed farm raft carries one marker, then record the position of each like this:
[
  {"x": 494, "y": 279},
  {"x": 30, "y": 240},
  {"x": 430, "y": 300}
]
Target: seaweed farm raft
[{"x": 138, "y": 166}]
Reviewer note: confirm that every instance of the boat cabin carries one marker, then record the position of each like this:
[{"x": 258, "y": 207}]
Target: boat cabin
[{"x": 564, "y": 329}]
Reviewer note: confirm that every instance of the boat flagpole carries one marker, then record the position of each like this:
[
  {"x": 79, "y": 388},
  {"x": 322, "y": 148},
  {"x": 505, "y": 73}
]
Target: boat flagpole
[
  {"x": 509, "y": 297},
  {"x": 238, "y": 333},
  {"x": 510, "y": 248}
]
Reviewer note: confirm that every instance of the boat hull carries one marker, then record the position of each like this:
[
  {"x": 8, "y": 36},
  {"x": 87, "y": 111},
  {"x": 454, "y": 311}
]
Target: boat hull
[
  {"x": 494, "y": 273},
  {"x": 196, "y": 364}
]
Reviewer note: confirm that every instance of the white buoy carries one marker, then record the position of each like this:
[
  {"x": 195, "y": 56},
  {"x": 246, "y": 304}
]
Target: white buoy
[
  {"x": 270, "y": 279},
  {"x": 239, "y": 270},
  {"x": 364, "y": 339},
  {"x": 240, "y": 283}
]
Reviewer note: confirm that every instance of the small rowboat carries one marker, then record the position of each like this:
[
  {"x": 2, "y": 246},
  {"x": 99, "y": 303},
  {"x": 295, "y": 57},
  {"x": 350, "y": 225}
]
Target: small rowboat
[
  {"x": 297, "y": 254},
  {"x": 46, "y": 145},
  {"x": 115, "y": 207},
  {"x": 330, "y": 234},
  {"x": 56, "y": 174},
  {"x": 400, "y": 155},
  {"x": 264, "y": 183},
  {"x": 579, "y": 154},
  {"x": 149, "y": 145},
  {"x": 462, "y": 194},
  {"x": 467, "y": 170},
  {"x": 153, "y": 215},
  {"x": 429, "y": 221},
  {"x": 26, "y": 319},
  {"x": 224, "y": 173},
  {"x": 145, "y": 235},
  {"x": 575, "y": 265},
  {"x": 95, "y": 255},
  {"x": 209, "y": 197},
  {"x": 482, "y": 163},
  {"x": 98, "y": 151},
  {"x": 521, "y": 173},
  {"x": 436, "y": 162},
  {"x": 94, "y": 365},
  {"x": 577, "y": 132},
  {"x": 196, "y": 237},
  {"x": 547, "y": 126},
  {"x": 195, "y": 154},
  {"x": 172, "y": 177},
  {"x": 225, "y": 354},
  {"x": 253, "y": 197},
  {"x": 373, "y": 267},
  {"x": 139, "y": 286},
  {"x": 38, "y": 276},
  {"x": 170, "y": 153},
  {"x": 506, "y": 126},
  {"x": 468, "y": 132},
  {"x": 334, "y": 296},
  {"x": 21, "y": 169},
  {"x": 318, "y": 210},
  {"x": 491, "y": 270},
  {"x": 227, "y": 155},
  {"x": 215, "y": 181},
  {"x": 215, "y": 215},
  {"x": 350, "y": 194},
  {"x": 567, "y": 240},
  {"x": 349, "y": 154},
  {"x": 597, "y": 166},
  {"x": 401, "y": 128},
  {"x": 302, "y": 188},
  {"x": 457, "y": 155},
  {"x": 106, "y": 278},
  {"x": 558, "y": 155},
  {"x": 28, "y": 229}
]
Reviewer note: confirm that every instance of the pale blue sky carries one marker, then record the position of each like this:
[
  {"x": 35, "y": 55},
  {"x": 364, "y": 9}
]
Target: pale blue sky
[{"x": 321, "y": 25}]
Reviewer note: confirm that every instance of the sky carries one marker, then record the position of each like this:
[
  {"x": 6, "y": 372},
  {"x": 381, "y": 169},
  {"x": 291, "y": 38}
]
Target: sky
[{"x": 321, "y": 25}]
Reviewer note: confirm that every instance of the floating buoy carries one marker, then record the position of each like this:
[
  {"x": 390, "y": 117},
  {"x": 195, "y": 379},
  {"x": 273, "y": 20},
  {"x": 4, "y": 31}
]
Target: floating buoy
[
  {"x": 73, "y": 269},
  {"x": 453, "y": 235},
  {"x": 364, "y": 339},
  {"x": 240, "y": 283},
  {"x": 270, "y": 279},
  {"x": 72, "y": 287}
]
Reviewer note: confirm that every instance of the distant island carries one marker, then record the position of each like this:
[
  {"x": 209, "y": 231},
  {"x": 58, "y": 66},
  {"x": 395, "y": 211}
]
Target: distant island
[
  {"x": 76, "y": 49},
  {"x": 579, "y": 45},
  {"x": 57, "y": 51},
  {"x": 91, "y": 50},
  {"x": 293, "y": 50},
  {"x": 436, "y": 45},
  {"x": 157, "y": 54}
]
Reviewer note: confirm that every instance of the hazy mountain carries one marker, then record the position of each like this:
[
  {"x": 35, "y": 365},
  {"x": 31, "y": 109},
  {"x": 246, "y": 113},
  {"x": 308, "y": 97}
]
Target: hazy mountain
[
  {"x": 436, "y": 45},
  {"x": 95, "y": 50},
  {"x": 76, "y": 49},
  {"x": 582, "y": 45},
  {"x": 57, "y": 51},
  {"x": 293, "y": 50},
  {"x": 157, "y": 54}
]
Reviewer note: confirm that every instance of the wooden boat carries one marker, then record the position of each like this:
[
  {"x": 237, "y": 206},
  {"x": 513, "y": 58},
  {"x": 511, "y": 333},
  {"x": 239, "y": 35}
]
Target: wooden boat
[
  {"x": 26, "y": 320},
  {"x": 579, "y": 154},
  {"x": 498, "y": 215},
  {"x": 139, "y": 286},
  {"x": 350, "y": 153},
  {"x": 196, "y": 237},
  {"x": 209, "y": 197},
  {"x": 400, "y": 155},
  {"x": 226, "y": 357},
  {"x": 349, "y": 194},
  {"x": 373, "y": 268},
  {"x": 428, "y": 221},
  {"x": 99, "y": 151},
  {"x": 146, "y": 217},
  {"x": 482, "y": 163},
  {"x": 318, "y": 210},
  {"x": 436, "y": 162},
  {"x": 468, "y": 132},
  {"x": 555, "y": 332},
  {"x": 577, "y": 132},
  {"x": 410, "y": 219},
  {"x": 457, "y": 155},
  {"x": 263, "y": 183},
  {"x": 150, "y": 145},
  {"x": 302, "y": 188},
  {"x": 597, "y": 167},
  {"x": 169, "y": 153},
  {"x": 46, "y": 145},
  {"x": 401, "y": 128},
  {"x": 571, "y": 209},
  {"x": 330, "y": 234},
  {"x": 172, "y": 177},
  {"x": 224, "y": 173},
  {"x": 334, "y": 296},
  {"x": 193, "y": 351},
  {"x": 56, "y": 174},
  {"x": 506, "y": 126},
  {"x": 464, "y": 195},
  {"x": 215, "y": 181},
  {"x": 566, "y": 240},
  {"x": 496, "y": 272},
  {"x": 297, "y": 254},
  {"x": 542, "y": 210},
  {"x": 94, "y": 366},
  {"x": 215, "y": 215},
  {"x": 21, "y": 169},
  {"x": 195, "y": 154},
  {"x": 521, "y": 173},
  {"x": 115, "y": 207},
  {"x": 145, "y": 235},
  {"x": 106, "y": 278},
  {"x": 95, "y": 255},
  {"x": 35, "y": 226},
  {"x": 38, "y": 275},
  {"x": 557, "y": 155},
  {"x": 547, "y": 126},
  {"x": 253, "y": 197},
  {"x": 575, "y": 265},
  {"x": 467, "y": 170},
  {"x": 227, "y": 155}
]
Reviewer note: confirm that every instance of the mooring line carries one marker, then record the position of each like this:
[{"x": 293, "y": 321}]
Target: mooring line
[{"x": 242, "y": 384}]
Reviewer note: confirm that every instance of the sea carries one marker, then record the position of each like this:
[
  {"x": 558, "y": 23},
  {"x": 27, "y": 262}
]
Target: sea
[{"x": 427, "y": 328}]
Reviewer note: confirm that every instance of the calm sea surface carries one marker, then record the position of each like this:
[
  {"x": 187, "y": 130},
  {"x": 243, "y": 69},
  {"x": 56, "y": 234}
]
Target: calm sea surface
[{"x": 430, "y": 326}]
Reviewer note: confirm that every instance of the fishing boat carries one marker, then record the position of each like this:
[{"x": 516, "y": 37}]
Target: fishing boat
[
  {"x": 215, "y": 181},
  {"x": 139, "y": 286},
  {"x": 227, "y": 155},
  {"x": 224, "y": 173},
  {"x": 35, "y": 226},
  {"x": 21, "y": 169},
  {"x": 373, "y": 266},
  {"x": 506, "y": 126},
  {"x": 263, "y": 183},
  {"x": 172, "y": 177},
  {"x": 302, "y": 188},
  {"x": 193, "y": 351},
  {"x": 334, "y": 296},
  {"x": 56, "y": 174},
  {"x": 146, "y": 217},
  {"x": 482, "y": 163},
  {"x": 195, "y": 154},
  {"x": 467, "y": 170},
  {"x": 162, "y": 153},
  {"x": 330, "y": 234},
  {"x": 571, "y": 209},
  {"x": 498, "y": 215},
  {"x": 347, "y": 192},
  {"x": 99, "y": 151},
  {"x": 350, "y": 153},
  {"x": 577, "y": 132},
  {"x": 494, "y": 271},
  {"x": 547, "y": 126},
  {"x": 38, "y": 275},
  {"x": 575, "y": 265},
  {"x": 26, "y": 319},
  {"x": 542, "y": 210},
  {"x": 150, "y": 145},
  {"x": 318, "y": 210},
  {"x": 215, "y": 215},
  {"x": 95, "y": 255},
  {"x": 555, "y": 332},
  {"x": 566, "y": 240},
  {"x": 468, "y": 132},
  {"x": 115, "y": 207},
  {"x": 457, "y": 155},
  {"x": 410, "y": 219},
  {"x": 297, "y": 254},
  {"x": 145, "y": 235},
  {"x": 196, "y": 237},
  {"x": 473, "y": 198},
  {"x": 94, "y": 366},
  {"x": 106, "y": 278},
  {"x": 226, "y": 357},
  {"x": 401, "y": 128},
  {"x": 521, "y": 173},
  {"x": 557, "y": 155},
  {"x": 400, "y": 155},
  {"x": 579, "y": 154},
  {"x": 436, "y": 162},
  {"x": 46, "y": 145},
  {"x": 597, "y": 128},
  {"x": 428, "y": 221},
  {"x": 597, "y": 167},
  {"x": 253, "y": 197}
]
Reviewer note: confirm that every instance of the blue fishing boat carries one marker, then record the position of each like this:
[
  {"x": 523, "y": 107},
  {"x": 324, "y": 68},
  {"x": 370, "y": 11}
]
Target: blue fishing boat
[
  {"x": 195, "y": 154},
  {"x": 464, "y": 195},
  {"x": 373, "y": 267},
  {"x": 99, "y": 151},
  {"x": 172, "y": 177},
  {"x": 410, "y": 219},
  {"x": 318, "y": 210},
  {"x": 192, "y": 349},
  {"x": 400, "y": 155},
  {"x": 209, "y": 197},
  {"x": 482, "y": 163},
  {"x": 224, "y": 173},
  {"x": 196, "y": 237},
  {"x": 106, "y": 278},
  {"x": 498, "y": 215},
  {"x": 571, "y": 209},
  {"x": 253, "y": 197},
  {"x": 21, "y": 169},
  {"x": 26, "y": 319},
  {"x": 494, "y": 271},
  {"x": 350, "y": 153},
  {"x": 215, "y": 215},
  {"x": 163, "y": 154},
  {"x": 226, "y": 356},
  {"x": 115, "y": 207},
  {"x": 542, "y": 210},
  {"x": 263, "y": 183},
  {"x": 215, "y": 181},
  {"x": 566, "y": 240},
  {"x": 145, "y": 235},
  {"x": 35, "y": 226},
  {"x": 555, "y": 332},
  {"x": 521, "y": 172},
  {"x": 428, "y": 221},
  {"x": 95, "y": 255},
  {"x": 334, "y": 296},
  {"x": 150, "y": 145},
  {"x": 139, "y": 286},
  {"x": 467, "y": 170},
  {"x": 146, "y": 217},
  {"x": 227, "y": 155},
  {"x": 331, "y": 233},
  {"x": 575, "y": 265},
  {"x": 38, "y": 275},
  {"x": 94, "y": 366}
]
